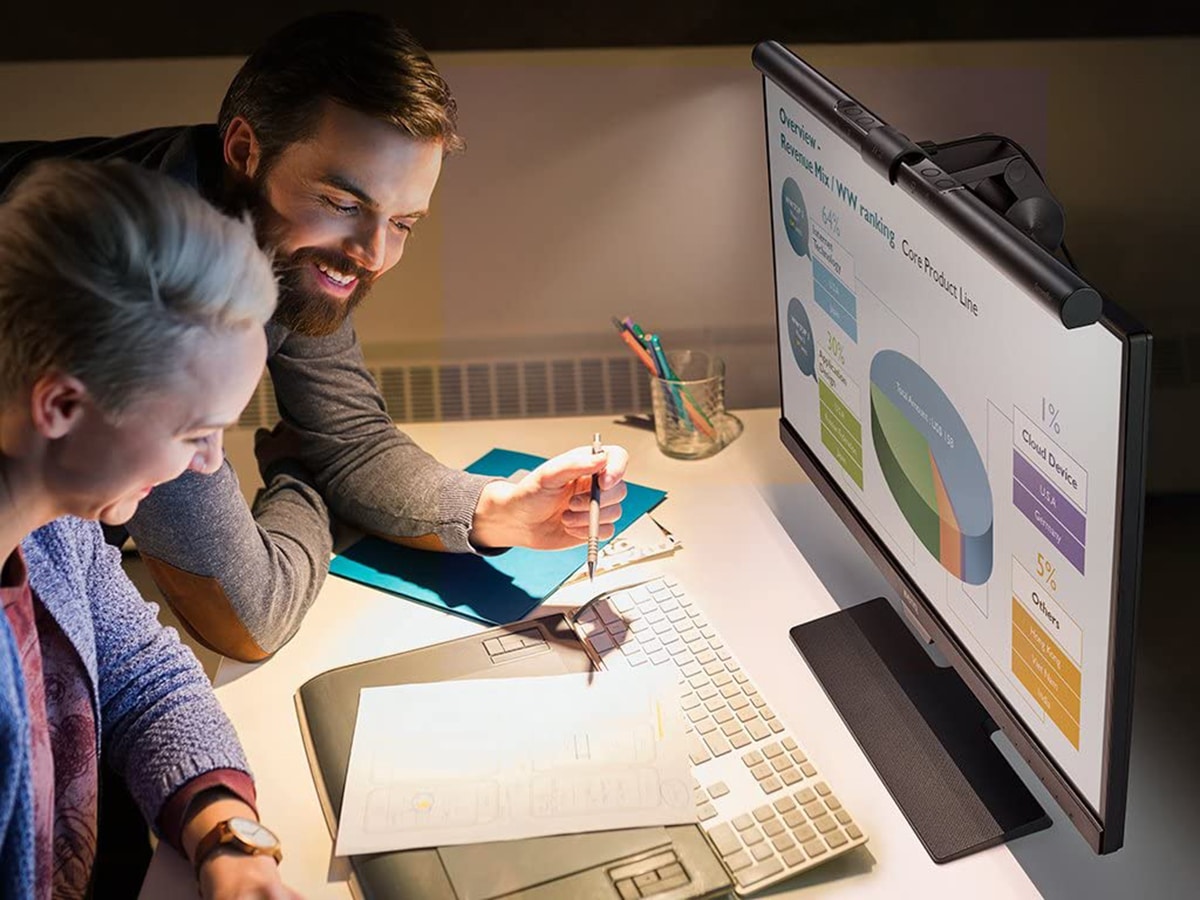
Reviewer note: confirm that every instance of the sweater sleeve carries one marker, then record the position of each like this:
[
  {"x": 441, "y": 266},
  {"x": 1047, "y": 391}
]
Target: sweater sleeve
[
  {"x": 370, "y": 474},
  {"x": 161, "y": 724}
]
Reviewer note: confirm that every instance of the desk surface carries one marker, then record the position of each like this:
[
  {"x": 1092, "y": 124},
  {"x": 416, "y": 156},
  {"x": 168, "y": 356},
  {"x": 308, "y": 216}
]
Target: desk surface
[{"x": 740, "y": 516}]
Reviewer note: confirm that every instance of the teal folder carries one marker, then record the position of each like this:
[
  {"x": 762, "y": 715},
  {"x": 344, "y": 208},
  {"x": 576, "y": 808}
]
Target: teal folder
[{"x": 492, "y": 589}]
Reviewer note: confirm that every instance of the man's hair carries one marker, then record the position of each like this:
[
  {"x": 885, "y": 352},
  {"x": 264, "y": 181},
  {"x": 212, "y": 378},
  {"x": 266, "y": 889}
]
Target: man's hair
[
  {"x": 361, "y": 60},
  {"x": 108, "y": 272}
]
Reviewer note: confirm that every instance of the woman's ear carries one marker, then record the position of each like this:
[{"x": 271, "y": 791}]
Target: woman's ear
[
  {"x": 57, "y": 404},
  {"x": 241, "y": 149}
]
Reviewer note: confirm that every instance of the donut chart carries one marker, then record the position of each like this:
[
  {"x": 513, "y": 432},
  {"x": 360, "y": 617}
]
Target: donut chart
[{"x": 932, "y": 466}]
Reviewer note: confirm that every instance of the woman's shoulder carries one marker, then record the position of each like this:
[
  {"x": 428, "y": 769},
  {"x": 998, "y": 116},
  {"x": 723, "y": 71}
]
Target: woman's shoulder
[{"x": 65, "y": 543}]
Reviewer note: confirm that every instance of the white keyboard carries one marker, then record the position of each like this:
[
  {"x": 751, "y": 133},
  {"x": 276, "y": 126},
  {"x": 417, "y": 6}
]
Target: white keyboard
[{"x": 761, "y": 801}]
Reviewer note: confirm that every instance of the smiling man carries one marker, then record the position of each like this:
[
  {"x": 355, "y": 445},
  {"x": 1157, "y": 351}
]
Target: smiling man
[{"x": 332, "y": 136}]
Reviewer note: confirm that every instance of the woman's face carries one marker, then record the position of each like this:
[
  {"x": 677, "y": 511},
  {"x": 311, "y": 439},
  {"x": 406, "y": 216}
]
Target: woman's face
[{"x": 101, "y": 469}]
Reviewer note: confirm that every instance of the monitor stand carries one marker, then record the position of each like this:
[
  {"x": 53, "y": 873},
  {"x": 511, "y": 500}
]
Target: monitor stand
[{"x": 922, "y": 729}]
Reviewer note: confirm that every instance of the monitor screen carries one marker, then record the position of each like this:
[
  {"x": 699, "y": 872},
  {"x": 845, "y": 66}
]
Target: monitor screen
[{"x": 980, "y": 443}]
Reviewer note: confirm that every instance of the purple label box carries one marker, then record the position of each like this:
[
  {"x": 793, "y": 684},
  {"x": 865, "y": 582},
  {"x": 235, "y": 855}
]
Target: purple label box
[{"x": 1056, "y": 517}]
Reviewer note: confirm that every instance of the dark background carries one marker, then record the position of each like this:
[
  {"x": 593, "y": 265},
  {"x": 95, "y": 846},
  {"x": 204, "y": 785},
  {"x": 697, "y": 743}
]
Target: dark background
[{"x": 73, "y": 29}]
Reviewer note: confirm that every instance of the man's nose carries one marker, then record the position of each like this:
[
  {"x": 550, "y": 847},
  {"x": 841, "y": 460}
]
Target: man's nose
[{"x": 368, "y": 245}]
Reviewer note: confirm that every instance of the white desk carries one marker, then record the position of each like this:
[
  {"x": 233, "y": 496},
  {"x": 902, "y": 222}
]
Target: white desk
[{"x": 738, "y": 561}]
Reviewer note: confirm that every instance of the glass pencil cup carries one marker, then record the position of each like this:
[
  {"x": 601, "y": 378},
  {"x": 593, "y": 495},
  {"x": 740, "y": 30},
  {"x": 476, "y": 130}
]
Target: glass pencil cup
[{"x": 690, "y": 421}]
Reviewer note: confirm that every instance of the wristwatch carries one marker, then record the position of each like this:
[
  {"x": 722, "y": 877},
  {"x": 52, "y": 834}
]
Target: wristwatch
[{"x": 238, "y": 833}]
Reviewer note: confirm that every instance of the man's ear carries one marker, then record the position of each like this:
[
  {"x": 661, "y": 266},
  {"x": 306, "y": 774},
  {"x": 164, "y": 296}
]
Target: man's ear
[
  {"x": 243, "y": 153},
  {"x": 57, "y": 403}
]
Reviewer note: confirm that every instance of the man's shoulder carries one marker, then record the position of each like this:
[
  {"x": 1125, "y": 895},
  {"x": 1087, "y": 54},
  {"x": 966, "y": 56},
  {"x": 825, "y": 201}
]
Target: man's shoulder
[{"x": 174, "y": 149}]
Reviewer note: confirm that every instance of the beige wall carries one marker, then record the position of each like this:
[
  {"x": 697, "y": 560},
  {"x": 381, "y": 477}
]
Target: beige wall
[{"x": 607, "y": 182}]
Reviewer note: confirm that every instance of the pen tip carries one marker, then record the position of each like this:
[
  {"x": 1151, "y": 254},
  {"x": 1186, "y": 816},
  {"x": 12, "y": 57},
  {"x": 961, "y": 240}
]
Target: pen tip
[{"x": 591, "y": 571}]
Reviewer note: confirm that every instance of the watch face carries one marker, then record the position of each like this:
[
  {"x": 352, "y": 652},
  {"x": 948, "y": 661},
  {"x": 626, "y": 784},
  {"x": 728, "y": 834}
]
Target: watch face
[{"x": 252, "y": 833}]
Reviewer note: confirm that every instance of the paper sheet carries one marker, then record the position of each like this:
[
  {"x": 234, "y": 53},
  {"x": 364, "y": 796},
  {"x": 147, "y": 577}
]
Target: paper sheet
[{"x": 459, "y": 762}]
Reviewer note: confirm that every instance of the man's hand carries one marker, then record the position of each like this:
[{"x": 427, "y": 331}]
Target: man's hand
[
  {"x": 548, "y": 508},
  {"x": 231, "y": 875}
]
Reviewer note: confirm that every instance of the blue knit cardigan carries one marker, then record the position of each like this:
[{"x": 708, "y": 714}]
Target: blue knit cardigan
[{"x": 157, "y": 717}]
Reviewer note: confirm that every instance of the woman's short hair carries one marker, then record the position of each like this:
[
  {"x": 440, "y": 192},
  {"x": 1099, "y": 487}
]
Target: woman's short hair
[
  {"x": 109, "y": 270},
  {"x": 364, "y": 61}
]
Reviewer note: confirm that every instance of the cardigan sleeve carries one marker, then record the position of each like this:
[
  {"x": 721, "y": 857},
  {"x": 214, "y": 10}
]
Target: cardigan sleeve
[{"x": 161, "y": 724}]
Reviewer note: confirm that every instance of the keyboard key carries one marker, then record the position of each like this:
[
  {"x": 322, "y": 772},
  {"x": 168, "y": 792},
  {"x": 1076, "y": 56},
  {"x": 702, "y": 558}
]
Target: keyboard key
[
  {"x": 705, "y": 725},
  {"x": 761, "y": 771},
  {"x": 773, "y": 828},
  {"x": 738, "y": 861},
  {"x": 728, "y": 689},
  {"x": 804, "y": 833},
  {"x": 690, "y": 669},
  {"x": 738, "y": 701},
  {"x": 764, "y": 813},
  {"x": 724, "y": 839},
  {"x": 793, "y": 857},
  {"x": 831, "y": 801},
  {"x": 706, "y": 811},
  {"x": 789, "y": 743},
  {"x": 780, "y": 763},
  {"x": 794, "y": 818},
  {"x": 721, "y": 716},
  {"x": 752, "y": 836},
  {"x": 697, "y": 752},
  {"x": 706, "y": 691},
  {"x": 742, "y": 822},
  {"x": 783, "y": 842},
  {"x": 854, "y": 831},
  {"x": 808, "y": 769},
  {"x": 805, "y": 796},
  {"x": 718, "y": 789},
  {"x": 747, "y": 714},
  {"x": 757, "y": 729},
  {"x": 790, "y": 776},
  {"x": 740, "y": 740},
  {"x": 771, "y": 785},
  {"x": 843, "y": 817},
  {"x": 798, "y": 756},
  {"x": 772, "y": 750},
  {"x": 761, "y": 851},
  {"x": 689, "y": 701},
  {"x": 753, "y": 758},
  {"x": 814, "y": 848},
  {"x": 628, "y": 890},
  {"x": 814, "y": 810},
  {"x": 835, "y": 839},
  {"x": 759, "y": 871},
  {"x": 825, "y": 824},
  {"x": 775, "y": 725},
  {"x": 782, "y": 805},
  {"x": 729, "y": 729},
  {"x": 717, "y": 744}
]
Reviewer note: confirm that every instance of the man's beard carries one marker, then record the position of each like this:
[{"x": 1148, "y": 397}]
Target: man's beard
[
  {"x": 309, "y": 310},
  {"x": 301, "y": 308}
]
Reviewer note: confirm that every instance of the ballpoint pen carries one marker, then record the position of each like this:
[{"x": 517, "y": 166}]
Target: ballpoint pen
[{"x": 593, "y": 544}]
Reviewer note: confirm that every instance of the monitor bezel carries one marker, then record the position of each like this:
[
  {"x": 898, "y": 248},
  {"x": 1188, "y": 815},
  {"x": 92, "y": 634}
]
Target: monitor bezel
[{"x": 1103, "y": 829}]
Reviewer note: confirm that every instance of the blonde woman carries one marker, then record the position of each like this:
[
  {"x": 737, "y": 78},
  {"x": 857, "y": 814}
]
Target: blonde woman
[{"x": 131, "y": 332}]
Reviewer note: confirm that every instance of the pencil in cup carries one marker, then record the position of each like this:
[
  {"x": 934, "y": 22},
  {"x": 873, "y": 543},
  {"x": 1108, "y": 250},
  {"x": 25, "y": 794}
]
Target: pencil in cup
[
  {"x": 668, "y": 376},
  {"x": 698, "y": 418}
]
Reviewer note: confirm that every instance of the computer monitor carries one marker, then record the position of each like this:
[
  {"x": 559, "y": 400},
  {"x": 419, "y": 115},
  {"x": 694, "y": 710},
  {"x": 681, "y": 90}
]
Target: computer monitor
[{"x": 976, "y": 415}]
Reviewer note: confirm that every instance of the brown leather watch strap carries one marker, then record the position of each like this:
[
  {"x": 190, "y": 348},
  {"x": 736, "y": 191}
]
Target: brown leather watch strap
[{"x": 221, "y": 835}]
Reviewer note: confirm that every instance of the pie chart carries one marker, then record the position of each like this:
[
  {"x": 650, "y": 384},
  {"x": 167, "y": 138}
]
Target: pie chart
[{"x": 932, "y": 466}]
